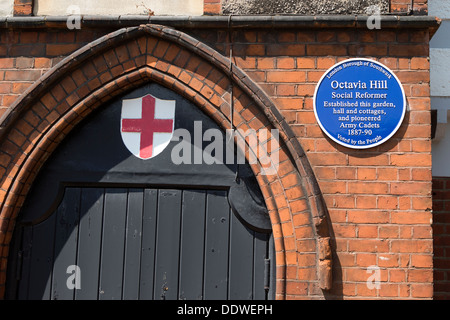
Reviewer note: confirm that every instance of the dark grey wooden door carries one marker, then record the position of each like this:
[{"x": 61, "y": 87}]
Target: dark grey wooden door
[{"x": 139, "y": 243}]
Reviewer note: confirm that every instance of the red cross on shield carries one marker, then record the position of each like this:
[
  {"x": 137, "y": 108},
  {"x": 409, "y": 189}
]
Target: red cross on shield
[{"x": 147, "y": 125}]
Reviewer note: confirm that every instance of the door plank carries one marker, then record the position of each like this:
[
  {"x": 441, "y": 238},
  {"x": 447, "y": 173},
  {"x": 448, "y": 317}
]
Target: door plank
[
  {"x": 66, "y": 239},
  {"x": 260, "y": 254},
  {"x": 149, "y": 219},
  {"x": 241, "y": 261},
  {"x": 133, "y": 244},
  {"x": 42, "y": 260}
]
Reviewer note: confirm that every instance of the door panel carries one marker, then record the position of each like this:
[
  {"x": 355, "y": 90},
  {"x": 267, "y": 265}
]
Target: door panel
[
  {"x": 65, "y": 243},
  {"x": 140, "y": 243},
  {"x": 149, "y": 219}
]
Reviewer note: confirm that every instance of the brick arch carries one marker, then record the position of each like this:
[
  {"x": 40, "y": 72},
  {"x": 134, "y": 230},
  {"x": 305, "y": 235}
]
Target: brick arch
[{"x": 40, "y": 119}]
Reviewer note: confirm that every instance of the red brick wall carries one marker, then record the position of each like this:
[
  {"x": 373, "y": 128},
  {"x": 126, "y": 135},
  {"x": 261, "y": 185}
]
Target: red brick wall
[
  {"x": 48, "y": 114},
  {"x": 441, "y": 232},
  {"x": 378, "y": 200}
]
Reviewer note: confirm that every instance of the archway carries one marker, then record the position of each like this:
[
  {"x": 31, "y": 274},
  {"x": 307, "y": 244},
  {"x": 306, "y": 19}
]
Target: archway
[{"x": 128, "y": 58}]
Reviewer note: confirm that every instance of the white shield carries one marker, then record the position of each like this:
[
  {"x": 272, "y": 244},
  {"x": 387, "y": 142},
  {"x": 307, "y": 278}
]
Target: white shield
[{"x": 147, "y": 125}]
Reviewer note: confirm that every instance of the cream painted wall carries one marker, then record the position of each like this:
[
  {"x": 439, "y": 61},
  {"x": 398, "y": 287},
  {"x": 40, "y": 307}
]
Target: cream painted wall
[
  {"x": 118, "y": 7},
  {"x": 6, "y": 8}
]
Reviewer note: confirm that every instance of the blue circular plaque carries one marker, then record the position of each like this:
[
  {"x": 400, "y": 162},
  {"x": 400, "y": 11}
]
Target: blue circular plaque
[{"x": 359, "y": 103}]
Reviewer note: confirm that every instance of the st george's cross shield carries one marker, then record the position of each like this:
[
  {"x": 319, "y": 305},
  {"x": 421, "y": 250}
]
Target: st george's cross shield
[{"x": 147, "y": 125}]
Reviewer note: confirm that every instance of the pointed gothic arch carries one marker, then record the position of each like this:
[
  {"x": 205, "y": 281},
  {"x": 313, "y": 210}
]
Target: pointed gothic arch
[{"x": 128, "y": 58}]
